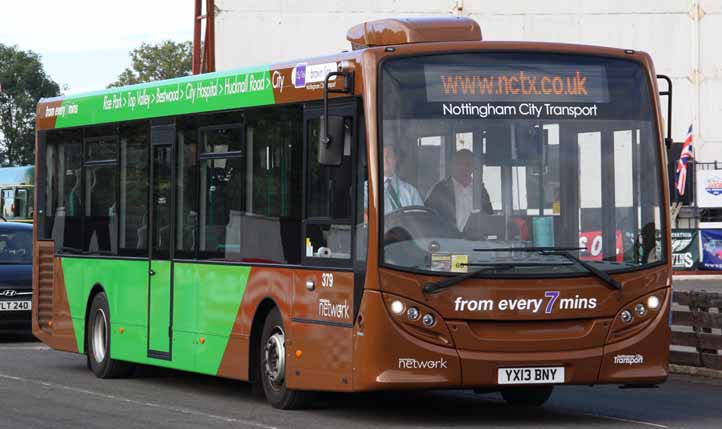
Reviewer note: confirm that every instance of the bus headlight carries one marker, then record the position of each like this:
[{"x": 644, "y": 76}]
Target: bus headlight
[
  {"x": 428, "y": 320},
  {"x": 653, "y": 302},
  {"x": 635, "y": 316},
  {"x": 397, "y": 307},
  {"x": 412, "y": 313},
  {"x": 418, "y": 320},
  {"x": 640, "y": 310}
]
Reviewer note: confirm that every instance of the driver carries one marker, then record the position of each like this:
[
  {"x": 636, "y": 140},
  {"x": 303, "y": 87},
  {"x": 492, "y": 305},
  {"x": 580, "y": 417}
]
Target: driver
[
  {"x": 397, "y": 193},
  {"x": 452, "y": 197}
]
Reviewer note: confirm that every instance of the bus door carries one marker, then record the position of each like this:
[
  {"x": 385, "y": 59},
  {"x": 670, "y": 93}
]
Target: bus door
[
  {"x": 160, "y": 269},
  {"x": 323, "y": 299}
]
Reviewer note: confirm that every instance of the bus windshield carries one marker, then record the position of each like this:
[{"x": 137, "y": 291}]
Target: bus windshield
[{"x": 484, "y": 152}]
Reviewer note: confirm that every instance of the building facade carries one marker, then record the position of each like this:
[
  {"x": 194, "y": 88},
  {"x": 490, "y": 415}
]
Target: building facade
[{"x": 683, "y": 37}]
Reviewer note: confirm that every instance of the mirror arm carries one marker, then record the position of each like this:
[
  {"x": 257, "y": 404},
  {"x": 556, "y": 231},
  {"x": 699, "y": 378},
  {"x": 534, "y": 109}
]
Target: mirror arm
[
  {"x": 668, "y": 93},
  {"x": 347, "y": 89}
]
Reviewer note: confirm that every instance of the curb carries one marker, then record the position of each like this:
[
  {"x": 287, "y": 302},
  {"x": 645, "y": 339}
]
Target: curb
[
  {"x": 693, "y": 370},
  {"x": 697, "y": 277}
]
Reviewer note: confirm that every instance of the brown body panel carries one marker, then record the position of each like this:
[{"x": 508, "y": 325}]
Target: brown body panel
[{"x": 57, "y": 330}]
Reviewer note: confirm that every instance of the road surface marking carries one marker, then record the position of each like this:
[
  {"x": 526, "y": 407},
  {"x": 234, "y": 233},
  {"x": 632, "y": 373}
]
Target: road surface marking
[
  {"x": 136, "y": 402},
  {"x": 639, "y": 422},
  {"x": 598, "y": 416},
  {"x": 25, "y": 348}
]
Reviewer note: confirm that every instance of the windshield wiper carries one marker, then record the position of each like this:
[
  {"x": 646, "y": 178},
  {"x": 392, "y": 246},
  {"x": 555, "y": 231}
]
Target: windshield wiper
[
  {"x": 442, "y": 284},
  {"x": 562, "y": 251}
]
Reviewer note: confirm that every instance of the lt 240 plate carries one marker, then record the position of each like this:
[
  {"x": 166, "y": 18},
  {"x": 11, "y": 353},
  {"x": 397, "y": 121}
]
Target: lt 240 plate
[
  {"x": 15, "y": 305},
  {"x": 531, "y": 375}
]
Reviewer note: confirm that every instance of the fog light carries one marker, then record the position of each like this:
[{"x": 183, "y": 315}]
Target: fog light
[
  {"x": 412, "y": 313},
  {"x": 640, "y": 309},
  {"x": 428, "y": 320},
  {"x": 626, "y": 316},
  {"x": 653, "y": 302},
  {"x": 397, "y": 307}
]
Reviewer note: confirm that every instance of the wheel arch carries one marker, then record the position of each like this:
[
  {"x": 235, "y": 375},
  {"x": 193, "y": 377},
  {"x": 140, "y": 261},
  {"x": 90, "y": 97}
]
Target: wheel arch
[
  {"x": 95, "y": 290},
  {"x": 259, "y": 317}
]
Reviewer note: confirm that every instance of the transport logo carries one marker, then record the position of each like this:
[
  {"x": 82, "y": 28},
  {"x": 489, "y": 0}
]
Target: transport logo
[
  {"x": 628, "y": 359},
  {"x": 304, "y": 74},
  {"x": 335, "y": 311},
  {"x": 298, "y": 75},
  {"x": 412, "y": 363}
]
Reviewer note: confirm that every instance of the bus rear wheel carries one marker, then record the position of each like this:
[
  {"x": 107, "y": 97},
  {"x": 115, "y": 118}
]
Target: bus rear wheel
[
  {"x": 531, "y": 396},
  {"x": 273, "y": 366},
  {"x": 98, "y": 342}
]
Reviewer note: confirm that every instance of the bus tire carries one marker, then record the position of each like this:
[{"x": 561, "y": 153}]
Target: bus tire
[
  {"x": 98, "y": 340},
  {"x": 529, "y": 396},
  {"x": 272, "y": 368}
]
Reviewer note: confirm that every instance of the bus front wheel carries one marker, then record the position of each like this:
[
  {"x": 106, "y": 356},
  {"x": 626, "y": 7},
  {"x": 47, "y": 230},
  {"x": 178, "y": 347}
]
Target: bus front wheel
[
  {"x": 98, "y": 342},
  {"x": 531, "y": 396},
  {"x": 273, "y": 366}
]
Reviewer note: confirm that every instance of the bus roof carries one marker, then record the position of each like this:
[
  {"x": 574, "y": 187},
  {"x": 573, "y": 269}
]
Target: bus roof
[{"x": 292, "y": 81}]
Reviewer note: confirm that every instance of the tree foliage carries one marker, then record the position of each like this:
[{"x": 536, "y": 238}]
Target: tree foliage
[
  {"x": 165, "y": 60},
  {"x": 23, "y": 82}
]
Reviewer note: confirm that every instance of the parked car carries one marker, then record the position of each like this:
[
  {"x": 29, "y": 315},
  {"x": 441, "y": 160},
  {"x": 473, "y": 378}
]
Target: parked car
[{"x": 16, "y": 277}]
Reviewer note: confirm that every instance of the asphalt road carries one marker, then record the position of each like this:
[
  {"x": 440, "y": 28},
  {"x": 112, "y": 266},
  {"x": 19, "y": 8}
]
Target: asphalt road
[{"x": 40, "y": 387}]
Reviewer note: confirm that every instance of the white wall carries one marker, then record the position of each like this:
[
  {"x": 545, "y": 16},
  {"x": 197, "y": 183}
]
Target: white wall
[{"x": 683, "y": 36}]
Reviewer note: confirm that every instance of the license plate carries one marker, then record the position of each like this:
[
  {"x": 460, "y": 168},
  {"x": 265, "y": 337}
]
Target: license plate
[
  {"x": 15, "y": 305},
  {"x": 533, "y": 375}
]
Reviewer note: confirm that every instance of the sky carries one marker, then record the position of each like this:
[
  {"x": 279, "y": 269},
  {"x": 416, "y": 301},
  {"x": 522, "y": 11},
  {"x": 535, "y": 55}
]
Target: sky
[{"x": 85, "y": 44}]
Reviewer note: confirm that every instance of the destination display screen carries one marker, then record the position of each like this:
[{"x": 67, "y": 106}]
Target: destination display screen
[
  {"x": 523, "y": 82},
  {"x": 531, "y": 86}
]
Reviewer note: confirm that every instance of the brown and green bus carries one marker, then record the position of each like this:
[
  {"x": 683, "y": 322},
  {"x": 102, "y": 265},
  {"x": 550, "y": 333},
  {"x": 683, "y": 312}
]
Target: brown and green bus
[{"x": 426, "y": 211}]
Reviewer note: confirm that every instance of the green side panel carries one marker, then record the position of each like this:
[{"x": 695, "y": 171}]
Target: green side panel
[
  {"x": 205, "y": 304},
  {"x": 125, "y": 284},
  {"x": 206, "y": 299},
  {"x": 159, "y": 313},
  {"x": 199, "y": 93}
]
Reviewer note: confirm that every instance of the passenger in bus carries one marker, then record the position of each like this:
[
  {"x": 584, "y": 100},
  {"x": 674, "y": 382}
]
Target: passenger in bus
[
  {"x": 453, "y": 197},
  {"x": 397, "y": 193}
]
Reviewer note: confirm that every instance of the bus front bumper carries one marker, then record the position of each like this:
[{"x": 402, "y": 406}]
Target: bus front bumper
[{"x": 388, "y": 357}]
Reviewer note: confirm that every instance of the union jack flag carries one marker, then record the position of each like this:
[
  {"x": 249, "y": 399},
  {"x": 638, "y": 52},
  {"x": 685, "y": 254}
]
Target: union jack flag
[{"x": 684, "y": 156}]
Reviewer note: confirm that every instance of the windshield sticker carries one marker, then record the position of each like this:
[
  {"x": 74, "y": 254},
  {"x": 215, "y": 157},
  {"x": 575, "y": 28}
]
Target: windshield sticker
[
  {"x": 550, "y": 303},
  {"x": 446, "y": 262},
  {"x": 459, "y": 263}
]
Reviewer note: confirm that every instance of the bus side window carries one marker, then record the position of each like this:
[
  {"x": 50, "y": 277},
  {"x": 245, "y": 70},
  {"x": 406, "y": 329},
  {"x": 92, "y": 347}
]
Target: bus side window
[
  {"x": 134, "y": 181},
  {"x": 63, "y": 222},
  {"x": 250, "y": 193},
  {"x": 329, "y": 200}
]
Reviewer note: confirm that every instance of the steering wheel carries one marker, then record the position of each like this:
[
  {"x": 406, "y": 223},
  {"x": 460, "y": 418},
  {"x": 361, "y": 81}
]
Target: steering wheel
[{"x": 414, "y": 222}]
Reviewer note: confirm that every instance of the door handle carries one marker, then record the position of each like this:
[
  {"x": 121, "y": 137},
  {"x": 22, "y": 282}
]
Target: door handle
[{"x": 151, "y": 272}]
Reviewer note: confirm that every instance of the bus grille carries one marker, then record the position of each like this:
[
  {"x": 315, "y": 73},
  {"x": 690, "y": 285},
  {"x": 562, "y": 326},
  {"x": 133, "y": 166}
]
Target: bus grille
[{"x": 45, "y": 285}]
